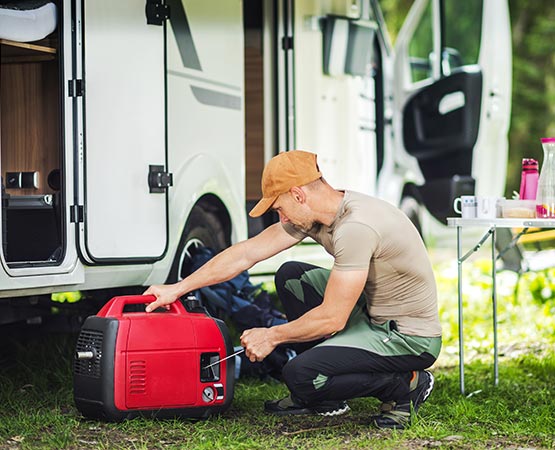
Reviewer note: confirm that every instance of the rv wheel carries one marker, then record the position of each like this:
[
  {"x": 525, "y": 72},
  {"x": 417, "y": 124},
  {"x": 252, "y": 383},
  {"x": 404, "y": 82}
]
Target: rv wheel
[
  {"x": 203, "y": 229},
  {"x": 411, "y": 207}
]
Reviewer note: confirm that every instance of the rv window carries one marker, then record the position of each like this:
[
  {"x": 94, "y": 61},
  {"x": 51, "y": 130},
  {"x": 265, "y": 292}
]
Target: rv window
[
  {"x": 348, "y": 47},
  {"x": 421, "y": 47},
  {"x": 463, "y": 29}
]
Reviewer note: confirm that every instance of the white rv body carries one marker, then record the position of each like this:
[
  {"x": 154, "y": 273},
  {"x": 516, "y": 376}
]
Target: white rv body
[{"x": 164, "y": 128}]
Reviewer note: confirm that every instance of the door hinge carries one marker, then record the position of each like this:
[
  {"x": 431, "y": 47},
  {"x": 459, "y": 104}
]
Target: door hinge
[
  {"x": 76, "y": 88},
  {"x": 287, "y": 43},
  {"x": 76, "y": 213},
  {"x": 158, "y": 180},
  {"x": 156, "y": 12}
]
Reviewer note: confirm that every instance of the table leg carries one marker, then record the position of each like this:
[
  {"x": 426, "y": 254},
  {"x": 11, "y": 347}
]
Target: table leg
[
  {"x": 461, "y": 345},
  {"x": 494, "y": 306}
]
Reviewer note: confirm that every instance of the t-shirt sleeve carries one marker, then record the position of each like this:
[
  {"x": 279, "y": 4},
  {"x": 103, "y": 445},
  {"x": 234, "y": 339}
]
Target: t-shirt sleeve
[
  {"x": 355, "y": 243},
  {"x": 293, "y": 231}
]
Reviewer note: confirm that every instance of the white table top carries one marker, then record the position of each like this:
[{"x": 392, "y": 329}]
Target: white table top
[{"x": 501, "y": 222}]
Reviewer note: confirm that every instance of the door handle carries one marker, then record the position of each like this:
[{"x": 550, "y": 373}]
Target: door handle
[{"x": 158, "y": 179}]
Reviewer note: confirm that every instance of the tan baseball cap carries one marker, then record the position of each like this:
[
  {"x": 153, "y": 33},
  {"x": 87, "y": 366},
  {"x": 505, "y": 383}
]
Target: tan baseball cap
[{"x": 288, "y": 169}]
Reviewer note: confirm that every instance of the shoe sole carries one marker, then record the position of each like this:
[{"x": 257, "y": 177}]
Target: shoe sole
[
  {"x": 308, "y": 411},
  {"x": 335, "y": 412},
  {"x": 392, "y": 426}
]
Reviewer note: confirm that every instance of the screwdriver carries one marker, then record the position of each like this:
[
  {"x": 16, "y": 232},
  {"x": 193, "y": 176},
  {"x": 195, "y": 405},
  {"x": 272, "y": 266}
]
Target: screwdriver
[{"x": 223, "y": 359}]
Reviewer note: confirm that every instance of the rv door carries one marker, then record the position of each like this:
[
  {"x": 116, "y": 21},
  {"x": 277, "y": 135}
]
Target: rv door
[
  {"x": 121, "y": 207},
  {"x": 452, "y": 96}
]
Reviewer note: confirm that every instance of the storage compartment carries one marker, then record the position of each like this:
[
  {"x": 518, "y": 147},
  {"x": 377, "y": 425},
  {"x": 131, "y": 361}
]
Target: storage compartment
[
  {"x": 31, "y": 148},
  {"x": 32, "y": 230}
]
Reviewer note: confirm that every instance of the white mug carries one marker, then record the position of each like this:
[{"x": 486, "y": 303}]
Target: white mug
[
  {"x": 487, "y": 207},
  {"x": 465, "y": 205}
]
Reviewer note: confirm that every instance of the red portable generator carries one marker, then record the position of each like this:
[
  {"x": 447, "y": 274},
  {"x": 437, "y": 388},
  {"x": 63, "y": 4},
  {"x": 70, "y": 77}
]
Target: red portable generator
[{"x": 136, "y": 363}]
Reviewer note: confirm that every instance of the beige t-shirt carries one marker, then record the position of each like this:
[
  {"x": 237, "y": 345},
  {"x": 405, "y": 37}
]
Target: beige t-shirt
[{"x": 369, "y": 233}]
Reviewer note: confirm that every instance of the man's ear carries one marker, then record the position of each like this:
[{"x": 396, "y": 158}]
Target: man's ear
[{"x": 298, "y": 194}]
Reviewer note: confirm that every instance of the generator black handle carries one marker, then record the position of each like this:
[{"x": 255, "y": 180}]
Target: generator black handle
[{"x": 115, "y": 306}]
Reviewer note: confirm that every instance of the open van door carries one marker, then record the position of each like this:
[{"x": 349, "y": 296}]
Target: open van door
[
  {"x": 452, "y": 86},
  {"x": 122, "y": 204}
]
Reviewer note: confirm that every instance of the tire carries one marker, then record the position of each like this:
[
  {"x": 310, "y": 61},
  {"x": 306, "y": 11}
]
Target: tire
[
  {"x": 203, "y": 229},
  {"x": 411, "y": 207}
]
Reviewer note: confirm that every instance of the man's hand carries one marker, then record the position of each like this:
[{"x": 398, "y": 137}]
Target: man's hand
[
  {"x": 165, "y": 295},
  {"x": 257, "y": 343}
]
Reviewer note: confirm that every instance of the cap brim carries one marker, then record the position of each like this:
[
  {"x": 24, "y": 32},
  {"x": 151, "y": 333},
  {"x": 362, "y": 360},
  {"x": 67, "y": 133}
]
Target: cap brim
[{"x": 262, "y": 206}]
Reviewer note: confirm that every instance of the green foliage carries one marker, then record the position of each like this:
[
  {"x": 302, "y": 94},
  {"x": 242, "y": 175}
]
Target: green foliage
[
  {"x": 463, "y": 28},
  {"x": 542, "y": 288},
  {"x": 421, "y": 47},
  {"x": 525, "y": 311},
  {"x": 38, "y": 412},
  {"x": 394, "y": 12}
]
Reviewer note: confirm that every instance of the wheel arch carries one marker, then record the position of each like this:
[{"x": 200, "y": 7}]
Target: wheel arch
[
  {"x": 214, "y": 205},
  {"x": 205, "y": 181},
  {"x": 208, "y": 225}
]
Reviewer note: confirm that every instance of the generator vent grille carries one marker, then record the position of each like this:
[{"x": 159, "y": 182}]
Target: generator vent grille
[
  {"x": 137, "y": 377},
  {"x": 89, "y": 340}
]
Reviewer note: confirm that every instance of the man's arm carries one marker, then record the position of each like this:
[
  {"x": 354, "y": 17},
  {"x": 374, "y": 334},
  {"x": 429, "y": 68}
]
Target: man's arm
[
  {"x": 225, "y": 265},
  {"x": 342, "y": 292}
]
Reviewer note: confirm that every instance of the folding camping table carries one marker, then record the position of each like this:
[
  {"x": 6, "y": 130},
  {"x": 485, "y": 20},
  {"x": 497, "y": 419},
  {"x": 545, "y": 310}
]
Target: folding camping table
[{"x": 491, "y": 225}]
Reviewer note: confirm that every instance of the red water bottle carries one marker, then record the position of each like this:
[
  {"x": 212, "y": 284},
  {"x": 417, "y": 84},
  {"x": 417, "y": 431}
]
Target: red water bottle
[{"x": 529, "y": 179}]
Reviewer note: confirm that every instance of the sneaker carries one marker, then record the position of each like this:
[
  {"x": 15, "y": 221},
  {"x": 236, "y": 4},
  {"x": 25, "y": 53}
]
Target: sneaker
[
  {"x": 398, "y": 415},
  {"x": 392, "y": 416},
  {"x": 288, "y": 406},
  {"x": 422, "y": 389}
]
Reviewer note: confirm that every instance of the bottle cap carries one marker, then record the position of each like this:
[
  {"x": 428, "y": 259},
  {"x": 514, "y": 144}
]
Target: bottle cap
[
  {"x": 548, "y": 140},
  {"x": 529, "y": 163}
]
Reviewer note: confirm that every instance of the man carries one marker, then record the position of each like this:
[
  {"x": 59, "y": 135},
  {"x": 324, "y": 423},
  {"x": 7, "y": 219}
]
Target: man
[{"x": 368, "y": 327}]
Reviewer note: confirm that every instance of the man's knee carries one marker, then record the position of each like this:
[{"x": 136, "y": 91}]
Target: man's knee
[
  {"x": 299, "y": 378},
  {"x": 286, "y": 271}
]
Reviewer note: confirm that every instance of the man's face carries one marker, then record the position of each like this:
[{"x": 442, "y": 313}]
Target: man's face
[{"x": 290, "y": 210}]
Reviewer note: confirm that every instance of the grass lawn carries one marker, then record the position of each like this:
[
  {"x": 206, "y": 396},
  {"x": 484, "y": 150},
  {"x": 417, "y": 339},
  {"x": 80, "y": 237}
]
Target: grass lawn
[{"x": 37, "y": 409}]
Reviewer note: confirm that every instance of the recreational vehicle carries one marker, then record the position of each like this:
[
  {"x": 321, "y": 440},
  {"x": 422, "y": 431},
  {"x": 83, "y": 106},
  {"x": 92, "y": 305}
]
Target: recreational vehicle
[{"x": 132, "y": 131}]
